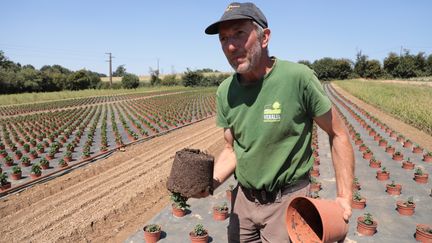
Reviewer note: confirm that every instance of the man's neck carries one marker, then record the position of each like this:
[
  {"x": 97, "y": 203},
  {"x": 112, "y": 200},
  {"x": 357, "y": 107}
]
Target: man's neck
[{"x": 257, "y": 74}]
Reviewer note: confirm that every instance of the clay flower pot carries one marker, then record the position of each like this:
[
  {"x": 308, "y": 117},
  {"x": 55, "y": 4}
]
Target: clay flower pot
[
  {"x": 228, "y": 194},
  {"x": 374, "y": 163},
  {"x": 199, "y": 234},
  {"x": 423, "y": 233},
  {"x": 314, "y": 172},
  {"x": 382, "y": 175},
  {"x": 16, "y": 176},
  {"x": 34, "y": 176},
  {"x": 220, "y": 214},
  {"x": 405, "y": 208},
  {"x": 407, "y": 144},
  {"x": 397, "y": 156},
  {"x": 358, "y": 204},
  {"x": 315, "y": 187},
  {"x": 366, "y": 229},
  {"x": 421, "y": 179},
  {"x": 363, "y": 148},
  {"x": 367, "y": 155},
  {"x": 152, "y": 233},
  {"x": 427, "y": 157},
  {"x": 178, "y": 212},
  {"x": 4, "y": 187},
  {"x": 408, "y": 165},
  {"x": 417, "y": 150},
  {"x": 315, "y": 220},
  {"x": 382, "y": 143},
  {"x": 390, "y": 150},
  {"x": 394, "y": 189}
]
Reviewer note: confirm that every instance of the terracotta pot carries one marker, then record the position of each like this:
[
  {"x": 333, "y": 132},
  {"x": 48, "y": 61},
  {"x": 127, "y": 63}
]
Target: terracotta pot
[
  {"x": 421, "y": 235},
  {"x": 390, "y": 150},
  {"x": 421, "y": 179},
  {"x": 34, "y": 176},
  {"x": 375, "y": 164},
  {"x": 407, "y": 144},
  {"x": 367, "y": 155},
  {"x": 45, "y": 167},
  {"x": 427, "y": 158},
  {"x": 405, "y": 209},
  {"x": 394, "y": 190},
  {"x": 417, "y": 150},
  {"x": 219, "y": 215},
  {"x": 5, "y": 186},
  {"x": 16, "y": 176},
  {"x": 315, "y": 220},
  {"x": 408, "y": 165},
  {"x": 178, "y": 212},
  {"x": 198, "y": 239},
  {"x": 314, "y": 172},
  {"x": 358, "y": 204},
  {"x": 151, "y": 237},
  {"x": 382, "y": 176},
  {"x": 362, "y": 148},
  {"x": 365, "y": 229},
  {"x": 358, "y": 142},
  {"x": 397, "y": 157},
  {"x": 382, "y": 143},
  {"x": 356, "y": 186},
  {"x": 377, "y": 137}
]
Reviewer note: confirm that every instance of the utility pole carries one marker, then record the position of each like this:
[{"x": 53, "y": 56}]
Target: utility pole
[{"x": 110, "y": 67}]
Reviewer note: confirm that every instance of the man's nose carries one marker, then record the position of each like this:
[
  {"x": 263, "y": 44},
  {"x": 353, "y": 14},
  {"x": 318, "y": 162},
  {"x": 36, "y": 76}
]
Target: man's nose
[{"x": 231, "y": 45}]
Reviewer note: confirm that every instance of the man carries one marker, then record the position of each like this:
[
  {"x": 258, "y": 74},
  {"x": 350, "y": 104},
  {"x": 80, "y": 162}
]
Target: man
[{"x": 267, "y": 109}]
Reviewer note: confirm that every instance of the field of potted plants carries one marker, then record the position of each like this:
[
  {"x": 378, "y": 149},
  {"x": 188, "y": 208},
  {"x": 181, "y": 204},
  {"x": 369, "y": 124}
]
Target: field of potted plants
[{"x": 40, "y": 139}]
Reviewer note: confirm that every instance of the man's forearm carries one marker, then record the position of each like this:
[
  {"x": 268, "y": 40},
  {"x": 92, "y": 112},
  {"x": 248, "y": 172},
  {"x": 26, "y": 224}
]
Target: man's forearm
[
  {"x": 343, "y": 162},
  {"x": 224, "y": 166}
]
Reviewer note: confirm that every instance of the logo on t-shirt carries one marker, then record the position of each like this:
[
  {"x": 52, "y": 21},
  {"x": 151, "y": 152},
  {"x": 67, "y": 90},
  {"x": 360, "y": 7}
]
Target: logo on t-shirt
[{"x": 272, "y": 113}]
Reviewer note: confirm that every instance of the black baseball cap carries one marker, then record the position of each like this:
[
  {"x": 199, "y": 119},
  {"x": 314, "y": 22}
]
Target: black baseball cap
[{"x": 239, "y": 11}]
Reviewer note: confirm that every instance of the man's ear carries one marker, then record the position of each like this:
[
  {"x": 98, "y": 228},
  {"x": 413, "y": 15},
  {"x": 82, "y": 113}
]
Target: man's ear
[{"x": 266, "y": 38}]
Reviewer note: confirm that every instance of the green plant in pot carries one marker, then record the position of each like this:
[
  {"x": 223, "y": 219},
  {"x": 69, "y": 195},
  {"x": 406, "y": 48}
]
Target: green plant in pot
[
  {"x": 366, "y": 225},
  {"x": 179, "y": 205},
  {"x": 35, "y": 171},
  {"x": 4, "y": 183},
  {"x": 199, "y": 234},
  {"x": 152, "y": 233},
  {"x": 220, "y": 212}
]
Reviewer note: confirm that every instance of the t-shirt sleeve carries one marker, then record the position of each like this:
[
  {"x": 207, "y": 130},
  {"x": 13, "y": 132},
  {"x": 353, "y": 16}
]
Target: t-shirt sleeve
[
  {"x": 316, "y": 100},
  {"x": 221, "y": 120}
]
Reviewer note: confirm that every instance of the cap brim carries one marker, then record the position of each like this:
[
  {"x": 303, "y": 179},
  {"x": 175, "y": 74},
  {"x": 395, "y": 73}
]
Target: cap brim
[{"x": 213, "y": 29}]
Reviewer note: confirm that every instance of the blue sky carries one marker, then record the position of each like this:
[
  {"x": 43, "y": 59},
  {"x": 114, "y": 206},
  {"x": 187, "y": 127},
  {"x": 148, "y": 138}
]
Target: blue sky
[{"x": 77, "y": 34}]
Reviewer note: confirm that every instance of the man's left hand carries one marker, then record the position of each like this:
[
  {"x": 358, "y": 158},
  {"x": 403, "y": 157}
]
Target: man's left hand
[{"x": 346, "y": 206}]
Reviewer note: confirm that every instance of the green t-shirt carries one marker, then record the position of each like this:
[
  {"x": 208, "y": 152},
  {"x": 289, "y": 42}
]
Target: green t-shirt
[{"x": 272, "y": 124}]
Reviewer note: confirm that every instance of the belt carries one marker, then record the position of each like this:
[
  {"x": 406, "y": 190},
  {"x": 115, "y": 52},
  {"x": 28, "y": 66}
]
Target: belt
[{"x": 263, "y": 197}]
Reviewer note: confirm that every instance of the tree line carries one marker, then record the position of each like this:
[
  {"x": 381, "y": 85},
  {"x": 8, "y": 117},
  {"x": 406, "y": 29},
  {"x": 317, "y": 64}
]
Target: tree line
[
  {"x": 403, "y": 66},
  {"x": 15, "y": 78}
]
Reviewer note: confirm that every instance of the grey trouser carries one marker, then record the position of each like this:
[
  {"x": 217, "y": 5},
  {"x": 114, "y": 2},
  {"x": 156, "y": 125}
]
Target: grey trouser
[{"x": 253, "y": 222}]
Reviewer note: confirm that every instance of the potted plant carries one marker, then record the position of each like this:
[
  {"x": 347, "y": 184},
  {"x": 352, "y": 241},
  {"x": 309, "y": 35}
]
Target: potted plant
[
  {"x": 179, "y": 205},
  {"x": 423, "y": 233},
  {"x": 382, "y": 143},
  {"x": 314, "y": 172},
  {"x": 220, "y": 213},
  {"x": 417, "y": 149},
  {"x": 33, "y": 154},
  {"x": 4, "y": 183},
  {"x": 152, "y": 233},
  {"x": 68, "y": 156},
  {"x": 394, "y": 189},
  {"x": 407, "y": 144},
  {"x": 25, "y": 161},
  {"x": 199, "y": 234},
  {"x": 229, "y": 191},
  {"x": 44, "y": 163},
  {"x": 315, "y": 185},
  {"x": 26, "y": 147},
  {"x": 366, "y": 225},
  {"x": 62, "y": 163},
  {"x": 363, "y": 147},
  {"x": 383, "y": 174},
  {"x": 35, "y": 171},
  {"x": 420, "y": 176},
  {"x": 16, "y": 172},
  {"x": 390, "y": 149},
  {"x": 18, "y": 154},
  {"x": 427, "y": 157},
  {"x": 398, "y": 156},
  {"x": 356, "y": 184},
  {"x": 358, "y": 202},
  {"x": 406, "y": 207},
  {"x": 3, "y": 153},
  {"x": 408, "y": 164},
  {"x": 8, "y": 161},
  {"x": 373, "y": 163},
  {"x": 367, "y": 154}
]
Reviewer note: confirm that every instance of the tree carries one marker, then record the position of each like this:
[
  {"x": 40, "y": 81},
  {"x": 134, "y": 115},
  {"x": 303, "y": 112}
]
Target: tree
[
  {"x": 372, "y": 69},
  {"x": 360, "y": 64},
  {"x": 328, "y": 68},
  {"x": 170, "y": 80},
  {"x": 390, "y": 63},
  {"x": 154, "y": 76},
  {"x": 120, "y": 71},
  {"x": 130, "y": 81},
  {"x": 429, "y": 65},
  {"x": 305, "y": 62},
  {"x": 82, "y": 79},
  {"x": 192, "y": 78},
  {"x": 406, "y": 67}
]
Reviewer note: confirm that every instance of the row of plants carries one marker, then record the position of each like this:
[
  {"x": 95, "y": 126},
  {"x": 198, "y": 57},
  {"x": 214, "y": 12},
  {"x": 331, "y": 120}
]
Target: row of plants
[{"x": 366, "y": 225}]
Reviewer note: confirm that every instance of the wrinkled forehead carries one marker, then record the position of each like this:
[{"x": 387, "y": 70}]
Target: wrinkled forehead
[{"x": 233, "y": 25}]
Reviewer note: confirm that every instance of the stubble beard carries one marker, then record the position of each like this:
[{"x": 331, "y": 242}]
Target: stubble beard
[{"x": 252, "y": 59}]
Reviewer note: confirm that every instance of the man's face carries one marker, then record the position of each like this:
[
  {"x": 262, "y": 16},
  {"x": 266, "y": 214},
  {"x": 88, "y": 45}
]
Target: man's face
[{"x": 240, "y": 44}]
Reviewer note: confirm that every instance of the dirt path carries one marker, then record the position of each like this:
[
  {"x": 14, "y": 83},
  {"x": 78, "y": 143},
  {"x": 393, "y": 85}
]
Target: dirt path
[
  {"x": 105, "y": 201},
  {"x": 422, "y": 138}
]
